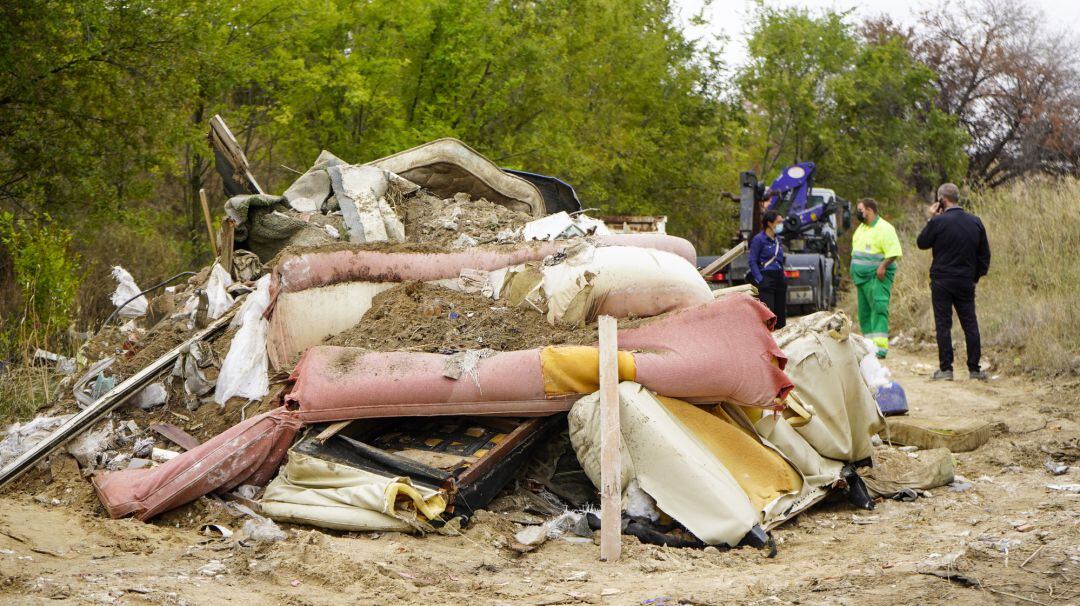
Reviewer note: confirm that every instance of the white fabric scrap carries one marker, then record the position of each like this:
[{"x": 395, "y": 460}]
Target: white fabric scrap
[{"x": 244, "y": 371}]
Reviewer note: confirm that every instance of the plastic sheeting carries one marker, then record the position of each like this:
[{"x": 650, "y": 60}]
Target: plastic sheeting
[
  {"x": 247, "y": 453},
  {"x": 331, "y": 495},
  {"x": 721, "y": 350}
]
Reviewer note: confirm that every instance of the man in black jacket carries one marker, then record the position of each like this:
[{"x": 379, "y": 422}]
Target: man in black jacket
[{"x": 961, "y": 257}]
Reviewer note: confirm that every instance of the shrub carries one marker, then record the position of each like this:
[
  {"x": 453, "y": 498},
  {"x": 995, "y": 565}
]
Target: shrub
[{"x": 46, "y": 277}]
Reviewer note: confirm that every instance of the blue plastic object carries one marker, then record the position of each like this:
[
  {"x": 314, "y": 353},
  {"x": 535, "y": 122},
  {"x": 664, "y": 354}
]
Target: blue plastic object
[{"x": 891, "y": 399}]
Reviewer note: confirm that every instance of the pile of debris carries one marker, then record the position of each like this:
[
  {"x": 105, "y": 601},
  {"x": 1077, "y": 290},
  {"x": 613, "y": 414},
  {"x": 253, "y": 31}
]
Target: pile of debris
[{"x": 389, "y": 346}]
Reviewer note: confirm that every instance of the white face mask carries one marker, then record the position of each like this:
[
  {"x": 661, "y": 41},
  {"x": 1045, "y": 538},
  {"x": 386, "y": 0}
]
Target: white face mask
[{"x": 778, "y": 228}]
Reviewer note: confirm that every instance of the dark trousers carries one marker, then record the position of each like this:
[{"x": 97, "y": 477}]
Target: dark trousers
[
  {"x": 772, "y": 291},
  {"x": 947, "y": 294}
]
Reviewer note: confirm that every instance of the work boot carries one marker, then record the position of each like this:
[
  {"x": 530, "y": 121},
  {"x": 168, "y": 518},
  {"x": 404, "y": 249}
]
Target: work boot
[
  {"x": 942, "y": 375},
  {"x": 978, "y": 375}
]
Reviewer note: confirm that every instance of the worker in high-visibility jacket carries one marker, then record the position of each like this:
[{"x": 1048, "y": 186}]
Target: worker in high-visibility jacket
[{"x": 874, "y": 252}]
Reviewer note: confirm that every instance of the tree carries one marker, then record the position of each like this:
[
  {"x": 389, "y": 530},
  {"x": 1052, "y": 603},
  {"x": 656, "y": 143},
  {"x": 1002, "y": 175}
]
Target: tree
[
  {"x": 1011, "y": 83},
  {"x": 857, "y": 104}
]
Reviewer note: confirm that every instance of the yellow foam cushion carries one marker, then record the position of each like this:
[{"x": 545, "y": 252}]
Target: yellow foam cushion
[
  {"x": 762, "y": 473},
  {"x": 576, "y": 369}
]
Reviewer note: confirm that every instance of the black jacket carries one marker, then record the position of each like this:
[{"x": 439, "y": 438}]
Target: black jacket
[{"x": 960, "y": 247}]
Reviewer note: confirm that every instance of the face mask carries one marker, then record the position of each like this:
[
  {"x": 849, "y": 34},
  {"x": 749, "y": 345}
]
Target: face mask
[
  {"x": 779, "y": 228},
  {"x": 860, "y": 216}
]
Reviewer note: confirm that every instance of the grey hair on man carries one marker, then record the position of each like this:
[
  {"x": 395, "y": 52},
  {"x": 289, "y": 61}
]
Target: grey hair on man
[{"x": 950, "y": 192}]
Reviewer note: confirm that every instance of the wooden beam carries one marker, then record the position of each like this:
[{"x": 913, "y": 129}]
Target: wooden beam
[
  {"x": 610, "y": 443},
  {"x": 101, "y": 407},
  {"x": 724, "y": 259},
  {"x": 209, "y": 224}
]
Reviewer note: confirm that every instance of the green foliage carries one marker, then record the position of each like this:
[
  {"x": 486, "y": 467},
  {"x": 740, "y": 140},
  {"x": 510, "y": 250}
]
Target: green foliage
[
  {"x": 47, "y": 274},
  {"x": 861, "y": 108},
  {"x": 104, "y": 108}
]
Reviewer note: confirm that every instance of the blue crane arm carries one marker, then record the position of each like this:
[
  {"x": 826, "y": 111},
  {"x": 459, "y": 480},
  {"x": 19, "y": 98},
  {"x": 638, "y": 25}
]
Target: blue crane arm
[{"x": 791, "y": 192}]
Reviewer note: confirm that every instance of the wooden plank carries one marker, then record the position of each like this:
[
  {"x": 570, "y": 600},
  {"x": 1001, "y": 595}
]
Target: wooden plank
[
  {"x": 331, "y": 431},
  {"x": 228, "y": 238},
  {"x": 479, "y": 468},
  {"x": 610, "y": 443},
  {"x": 178, "y": 436},
  {"x": 724, "y": 259},
  {"x": 101, "y": 407},
  {"x": 209, "y": 224}
]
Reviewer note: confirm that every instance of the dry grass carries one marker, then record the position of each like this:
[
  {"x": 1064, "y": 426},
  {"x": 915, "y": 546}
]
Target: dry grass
[
  {"x": 1027, "y": 305},
  {"x": 24, "y": 390}
]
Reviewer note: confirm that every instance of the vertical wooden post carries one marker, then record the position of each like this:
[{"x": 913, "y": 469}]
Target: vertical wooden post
[
  {"x": 228, "y": 237},
  {"x": 209, "y": 225},
  {"x": 610, "y": 443}
]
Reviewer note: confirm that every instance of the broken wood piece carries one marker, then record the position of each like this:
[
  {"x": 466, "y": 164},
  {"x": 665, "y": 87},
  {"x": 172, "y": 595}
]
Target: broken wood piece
[
  {"x": 231, "y": 162},
  {"x": 331, "y": 431},
  {"x": 724, "y": 259},
  {"x": 101, "y": 407},
  {"x": 175, "y": 435},
  {"x": 610, "y": 443},
  {"x": 209, "y": 224}
]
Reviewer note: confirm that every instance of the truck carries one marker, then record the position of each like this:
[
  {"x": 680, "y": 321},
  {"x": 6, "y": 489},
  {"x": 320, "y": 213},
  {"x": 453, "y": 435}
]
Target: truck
[{"x": 814, "y": 220}]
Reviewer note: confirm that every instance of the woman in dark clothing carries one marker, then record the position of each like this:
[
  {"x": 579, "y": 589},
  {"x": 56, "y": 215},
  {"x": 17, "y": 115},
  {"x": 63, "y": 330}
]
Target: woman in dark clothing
[{"x": 767, "y": 266}]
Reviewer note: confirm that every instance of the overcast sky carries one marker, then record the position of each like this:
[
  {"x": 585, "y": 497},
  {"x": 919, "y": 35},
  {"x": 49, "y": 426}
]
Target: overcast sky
[{"x": 730, "y": 17}]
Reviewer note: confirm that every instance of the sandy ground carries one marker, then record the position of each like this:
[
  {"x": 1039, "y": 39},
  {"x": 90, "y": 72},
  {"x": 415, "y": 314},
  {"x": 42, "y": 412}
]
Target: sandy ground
[{"x": 1013, "y": 540}]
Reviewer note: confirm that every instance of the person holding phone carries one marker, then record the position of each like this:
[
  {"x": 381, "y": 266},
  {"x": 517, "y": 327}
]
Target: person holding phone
[
  {"x": 766, "y": 258},
  {"x": 961, "y": 256}
]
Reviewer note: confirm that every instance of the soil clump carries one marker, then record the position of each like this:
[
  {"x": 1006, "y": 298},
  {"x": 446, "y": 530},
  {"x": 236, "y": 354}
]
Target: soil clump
[{"x": 416, "y": 316}]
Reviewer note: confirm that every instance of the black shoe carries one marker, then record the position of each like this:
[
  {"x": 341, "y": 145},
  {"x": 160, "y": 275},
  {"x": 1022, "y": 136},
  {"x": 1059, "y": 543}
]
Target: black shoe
[
  {"x": 978, "y": 375},
  {"x": 942, "y": 375}
]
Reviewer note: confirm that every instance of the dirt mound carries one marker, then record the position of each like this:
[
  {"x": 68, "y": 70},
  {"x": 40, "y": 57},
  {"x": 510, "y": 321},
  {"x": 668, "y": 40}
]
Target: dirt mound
[
  {"x": 424, "y": 317},
  {"x": 459, "y": 221}
]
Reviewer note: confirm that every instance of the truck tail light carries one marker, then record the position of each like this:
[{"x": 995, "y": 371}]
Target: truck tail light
[
  {"x": 792, "y": 274},
  {"x": 717, "y": 277}
]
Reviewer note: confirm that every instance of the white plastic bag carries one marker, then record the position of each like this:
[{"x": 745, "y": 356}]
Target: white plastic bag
[
  {"x": 244, "y": 371},
  {"x": 218, "y": 297},
  {"x": 875, "y": 375},
  {"x": 126, "y": 289}
]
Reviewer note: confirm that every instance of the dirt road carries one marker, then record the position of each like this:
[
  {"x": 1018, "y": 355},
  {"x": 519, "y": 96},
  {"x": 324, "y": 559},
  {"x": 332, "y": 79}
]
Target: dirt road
[{"x": 1013, "y": 540}]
